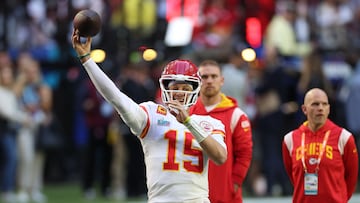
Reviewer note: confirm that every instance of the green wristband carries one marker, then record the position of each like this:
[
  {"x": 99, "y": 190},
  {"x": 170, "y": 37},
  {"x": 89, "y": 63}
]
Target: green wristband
[
  {"x": 83, "y": 56},
  {"x": 187, "y": 120}
]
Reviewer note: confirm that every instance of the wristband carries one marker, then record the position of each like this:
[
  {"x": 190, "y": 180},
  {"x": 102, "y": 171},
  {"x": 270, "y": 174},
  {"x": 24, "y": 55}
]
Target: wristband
[
  {"x": 198, "y": 132},
  {"x": 187, "y": 119},
  {"x": 83, "y": 56}
]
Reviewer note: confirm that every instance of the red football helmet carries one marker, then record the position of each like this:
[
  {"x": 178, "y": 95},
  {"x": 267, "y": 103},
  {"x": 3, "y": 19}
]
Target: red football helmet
[{"x": 182, "y": 71}]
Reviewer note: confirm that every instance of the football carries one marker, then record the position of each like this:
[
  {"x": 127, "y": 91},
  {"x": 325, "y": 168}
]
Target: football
[{"x": 88, "y": 22}]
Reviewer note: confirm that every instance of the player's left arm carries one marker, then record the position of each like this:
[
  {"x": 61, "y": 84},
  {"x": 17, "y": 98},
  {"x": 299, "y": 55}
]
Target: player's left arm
[
  {"x": 351, "y": 164},
  {"x": 212, "y": 142},
  {"x": 242, "y": 149},
  {"x": 209, "y": 134},
  {"x": 213, "y": 147}
]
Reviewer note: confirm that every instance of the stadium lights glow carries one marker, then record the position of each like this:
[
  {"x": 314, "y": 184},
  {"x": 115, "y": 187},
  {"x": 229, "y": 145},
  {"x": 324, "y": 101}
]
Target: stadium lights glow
[
  {"x": 98, "y": 55},
  {"x": 149, "y": 54},
  {"x": 248, "y": 54}
]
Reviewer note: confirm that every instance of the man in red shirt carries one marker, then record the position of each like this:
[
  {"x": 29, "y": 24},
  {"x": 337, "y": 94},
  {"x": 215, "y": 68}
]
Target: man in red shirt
[
  {"x": 320, "y": 157},
  {"x": 225, "y": 181}
]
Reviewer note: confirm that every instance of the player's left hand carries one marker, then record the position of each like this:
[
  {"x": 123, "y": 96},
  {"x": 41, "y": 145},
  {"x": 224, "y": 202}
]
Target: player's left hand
[{"x": 177, "y": 109}]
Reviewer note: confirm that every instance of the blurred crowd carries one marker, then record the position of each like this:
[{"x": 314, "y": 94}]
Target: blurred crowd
[{"x": 303, "y": 44}]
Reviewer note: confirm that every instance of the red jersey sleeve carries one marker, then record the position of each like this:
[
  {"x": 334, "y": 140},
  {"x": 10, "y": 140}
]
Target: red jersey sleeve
[
  {"x": 287, "y": 160},
  {"x": 351, "y": 163},
  {"x": 242, "y": 146}
]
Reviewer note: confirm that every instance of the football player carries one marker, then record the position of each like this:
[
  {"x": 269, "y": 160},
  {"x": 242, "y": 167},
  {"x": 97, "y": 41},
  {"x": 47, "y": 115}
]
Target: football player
[{"x": 176, "y": 145}]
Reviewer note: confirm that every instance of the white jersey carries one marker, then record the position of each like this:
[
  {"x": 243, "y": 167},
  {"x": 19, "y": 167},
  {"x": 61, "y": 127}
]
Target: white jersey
[{"x": 177, "y": 169}]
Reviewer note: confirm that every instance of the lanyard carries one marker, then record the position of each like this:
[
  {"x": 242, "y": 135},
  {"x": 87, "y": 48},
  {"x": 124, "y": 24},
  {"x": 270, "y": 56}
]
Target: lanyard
[{"x": 321, "y": 153}]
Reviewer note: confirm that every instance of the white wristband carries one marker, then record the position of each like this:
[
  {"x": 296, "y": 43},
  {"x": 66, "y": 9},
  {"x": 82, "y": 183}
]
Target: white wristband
[{"x": 199, "y": 133}]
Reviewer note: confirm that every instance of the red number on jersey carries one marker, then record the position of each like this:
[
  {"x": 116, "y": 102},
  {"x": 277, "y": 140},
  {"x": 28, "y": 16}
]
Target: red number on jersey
[{"x": 190, "y": 166}]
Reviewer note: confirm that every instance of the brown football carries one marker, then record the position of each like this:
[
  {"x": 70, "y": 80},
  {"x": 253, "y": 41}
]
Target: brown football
[{"x": 88, "y": 22}]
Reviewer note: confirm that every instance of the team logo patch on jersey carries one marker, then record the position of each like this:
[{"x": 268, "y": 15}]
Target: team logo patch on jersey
[
  {"x": 163, "y": 122},
  {"x": 245, "y": 124},
  {"x": 206, "y": 126},
  {"x": 161, "y": 110}
]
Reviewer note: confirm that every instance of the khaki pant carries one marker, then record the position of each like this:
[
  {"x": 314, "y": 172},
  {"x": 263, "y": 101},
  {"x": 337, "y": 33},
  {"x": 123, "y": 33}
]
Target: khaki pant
[{"x": 30, "y": 162}]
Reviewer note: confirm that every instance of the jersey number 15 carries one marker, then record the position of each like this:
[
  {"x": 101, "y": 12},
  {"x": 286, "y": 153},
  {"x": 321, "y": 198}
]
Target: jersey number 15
[{"x": 190, "y": 166}]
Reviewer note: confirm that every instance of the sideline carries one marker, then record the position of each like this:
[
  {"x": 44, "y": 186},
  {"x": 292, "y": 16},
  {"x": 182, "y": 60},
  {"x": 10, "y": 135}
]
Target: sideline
[{"x": 354, "y": 199}]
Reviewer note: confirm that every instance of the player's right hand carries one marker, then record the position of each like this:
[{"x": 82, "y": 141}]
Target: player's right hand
[
  {"x": 80, "y": 48},
  {"x": 177, "y": 109}
]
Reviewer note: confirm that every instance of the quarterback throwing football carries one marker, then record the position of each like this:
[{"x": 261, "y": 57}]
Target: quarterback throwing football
[{"x": 176, "y": 145}]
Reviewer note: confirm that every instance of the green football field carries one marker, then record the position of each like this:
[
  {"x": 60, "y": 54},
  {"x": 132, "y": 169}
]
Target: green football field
[{"x": 71, "y": 193}]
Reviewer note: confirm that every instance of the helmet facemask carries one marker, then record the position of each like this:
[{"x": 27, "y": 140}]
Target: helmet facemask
[
  {"x": 190, "y": 97},
  {"x": 180, "y": 71}
]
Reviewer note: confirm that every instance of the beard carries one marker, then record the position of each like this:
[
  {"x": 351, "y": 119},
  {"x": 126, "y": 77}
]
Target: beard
[{"x": 210, "y": 91}]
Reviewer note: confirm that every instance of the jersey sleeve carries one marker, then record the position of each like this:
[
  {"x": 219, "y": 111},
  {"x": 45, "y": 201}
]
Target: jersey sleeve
[
  {"x": 213, "y": 127},
  {"x": 351, "y": 163},
  {"x": 218, "y": 132},
  {"x": 242, "y": 146},
  {"x": 286, "y": 154},
  {"x": 132, "y": 114}
]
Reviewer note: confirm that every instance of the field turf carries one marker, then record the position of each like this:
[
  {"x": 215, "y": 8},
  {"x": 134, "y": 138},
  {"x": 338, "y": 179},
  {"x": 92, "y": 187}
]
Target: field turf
[{"x": 71, "y": 193}]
